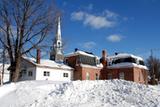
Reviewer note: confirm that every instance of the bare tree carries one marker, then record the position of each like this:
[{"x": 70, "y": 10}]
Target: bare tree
[
  {"x": 153, "y": 64},
  {"x": 23, "y": 26}
]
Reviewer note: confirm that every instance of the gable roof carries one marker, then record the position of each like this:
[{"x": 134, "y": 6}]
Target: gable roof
[{"x": 47, "y": 63}]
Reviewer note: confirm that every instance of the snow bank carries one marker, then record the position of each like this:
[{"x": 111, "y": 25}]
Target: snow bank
[
  {"x": 6, "y": 89},
  {"x": 109, "y": 93}
]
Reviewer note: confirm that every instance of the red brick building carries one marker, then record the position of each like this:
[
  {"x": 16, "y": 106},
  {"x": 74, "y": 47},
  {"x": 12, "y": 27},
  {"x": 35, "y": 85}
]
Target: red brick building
[
  {"x": 120, "y": 66},
  {"x": 126, "y": 66},
  {"x": 86, "y": 65}
]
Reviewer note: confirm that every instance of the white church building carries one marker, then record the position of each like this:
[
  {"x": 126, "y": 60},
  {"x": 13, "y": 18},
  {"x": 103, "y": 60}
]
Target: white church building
[{"x": 47, "y": 69}]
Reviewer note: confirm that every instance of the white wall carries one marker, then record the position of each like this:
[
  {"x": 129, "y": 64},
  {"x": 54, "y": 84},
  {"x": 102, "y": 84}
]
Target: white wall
[{"x": 55, "y": 74}]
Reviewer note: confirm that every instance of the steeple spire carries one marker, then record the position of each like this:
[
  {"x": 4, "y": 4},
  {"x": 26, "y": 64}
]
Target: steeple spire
[
  {"x": 58, "y": 33},
  {"x": 57, "y": 53}
]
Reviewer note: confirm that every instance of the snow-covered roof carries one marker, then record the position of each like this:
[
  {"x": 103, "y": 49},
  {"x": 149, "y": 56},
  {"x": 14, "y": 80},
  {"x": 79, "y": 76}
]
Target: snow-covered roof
[
  {"x": 127, "y": 65},
  {"x": 80, "y": 53},
  {"x": 48, "y": 63},
  {"x": 99, "y": 66},
  {"x": 124, "y": 55}
]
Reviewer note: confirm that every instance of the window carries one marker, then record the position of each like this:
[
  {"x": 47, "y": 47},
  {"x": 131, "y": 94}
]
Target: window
[
  {"x": 109, "y": 76},
  {"x": 30, "y": 73},
  {"x": 141, "y": 62},
  {"x": 20, "y": 74},
  {"x": 23, "y": 71},
  {"x": 65, "y": 74},
  {"x": 122, "y": 60},
  {"x": 46, "y": 73},
  {"x": 121, "y": 75},
  {"x": 97, "y": 61},
  {"x": 97, "y": 76},
  {"x": 87, "y": 76},
  {"x": 87, "y": 60}
]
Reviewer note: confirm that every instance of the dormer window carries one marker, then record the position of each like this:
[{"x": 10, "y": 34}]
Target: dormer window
[
  {"x": 141, "y": 62},
  {"x": 123, "y": 60}
]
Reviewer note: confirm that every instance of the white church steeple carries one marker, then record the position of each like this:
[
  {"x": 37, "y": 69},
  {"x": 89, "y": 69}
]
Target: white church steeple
[
  {"x": 57, "y": 51},
  {"x": 58, "y": 32}
]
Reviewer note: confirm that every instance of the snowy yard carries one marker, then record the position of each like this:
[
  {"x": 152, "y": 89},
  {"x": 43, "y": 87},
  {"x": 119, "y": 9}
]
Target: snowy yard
[{"x": 109, "y": 93}]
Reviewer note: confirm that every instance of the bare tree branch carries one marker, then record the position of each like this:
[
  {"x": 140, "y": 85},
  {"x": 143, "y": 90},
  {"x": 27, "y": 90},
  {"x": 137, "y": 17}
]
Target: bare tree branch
[{"x": 23, "y": 26}]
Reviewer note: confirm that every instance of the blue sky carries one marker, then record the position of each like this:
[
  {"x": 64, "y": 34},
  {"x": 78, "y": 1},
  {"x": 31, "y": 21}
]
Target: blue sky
[{"x": 131, "y": 26}]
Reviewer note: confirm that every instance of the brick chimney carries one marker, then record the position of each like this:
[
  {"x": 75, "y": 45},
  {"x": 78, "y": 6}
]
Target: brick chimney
[
  {"x": 103, "y": 59},
  {"x": 38, "y": 57},
  {"x": 104, "y": 54}
]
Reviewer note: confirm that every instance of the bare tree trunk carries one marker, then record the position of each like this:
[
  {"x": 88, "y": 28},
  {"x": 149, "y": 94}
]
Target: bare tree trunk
[
  {"x": 0, "y": 78},
  {"x": 3, "y": 68},
  {"x": 16, "y": 72}
]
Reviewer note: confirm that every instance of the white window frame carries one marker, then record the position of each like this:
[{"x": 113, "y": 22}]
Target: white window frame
[
  {"x": 46, "y": 73},
  {"x": 30, "y": 73},
  {"x": 65, "y": 75}
]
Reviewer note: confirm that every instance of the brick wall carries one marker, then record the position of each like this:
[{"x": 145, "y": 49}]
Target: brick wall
[
  {"x": 140, "y": 75},
  {"x": 131, "y": 74},
  {"x": 92, "y": 73},
  {"x": 77, "y": 74},
  {"x": 71, "y": 61}
]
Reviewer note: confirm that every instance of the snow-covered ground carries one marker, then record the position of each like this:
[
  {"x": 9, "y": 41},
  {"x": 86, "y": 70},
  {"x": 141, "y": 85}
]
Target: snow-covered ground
[{"x": 109, "y": 93}]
